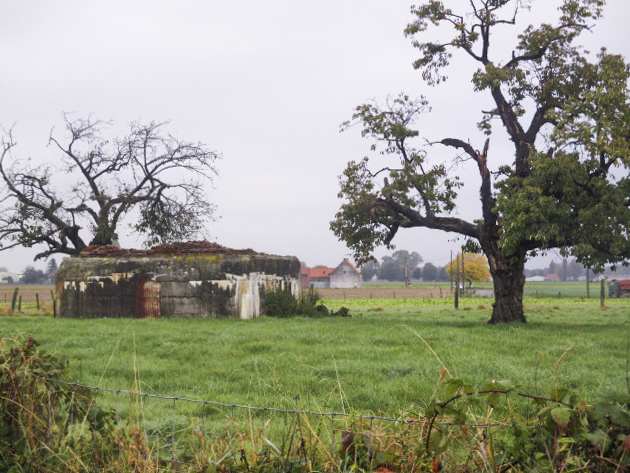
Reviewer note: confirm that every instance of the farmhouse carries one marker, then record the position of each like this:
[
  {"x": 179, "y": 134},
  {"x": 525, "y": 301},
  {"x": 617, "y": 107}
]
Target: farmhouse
[
  {"x": 194, "y": 279},
  {"x": 315, "y": 277},
  {"x": 346, "y": 275}
]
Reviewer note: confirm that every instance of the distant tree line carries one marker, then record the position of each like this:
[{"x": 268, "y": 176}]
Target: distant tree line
[
  {"x": 399, "y": 266},
  {"x": 571, "y": 270},
  {"x": 566, "y": 270},
  {"x": 403, "y": 265},
  {"x": 31, "y": 275}
]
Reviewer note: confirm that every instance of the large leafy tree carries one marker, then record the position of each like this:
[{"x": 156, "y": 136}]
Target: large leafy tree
[
  {"x": 150, "y": 180},
  {"x": 566, "y": 114}
]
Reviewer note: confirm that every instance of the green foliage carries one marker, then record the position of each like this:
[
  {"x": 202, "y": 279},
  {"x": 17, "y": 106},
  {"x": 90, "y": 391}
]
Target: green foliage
[
  {"x": 366, "y": 220},
  {"x": 588, "y": 220},
  {"x": 572, "y": 198},
  {"x": 557, "y": 432},
  {"x": 44, "y": 424},
  {"x": 282, "y": 304}
]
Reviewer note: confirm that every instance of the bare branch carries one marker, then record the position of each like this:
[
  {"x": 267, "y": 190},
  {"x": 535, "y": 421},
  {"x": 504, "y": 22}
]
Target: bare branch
[{"x": 104, "y": 180}]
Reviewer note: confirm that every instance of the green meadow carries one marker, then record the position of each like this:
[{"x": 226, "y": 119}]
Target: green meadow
[
  {"x": 531, "y": 289},
  {"x": 387, "y": 358}
]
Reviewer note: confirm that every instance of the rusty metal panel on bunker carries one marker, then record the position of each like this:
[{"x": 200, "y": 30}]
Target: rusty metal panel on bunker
[{"x": 147, "y": 299}]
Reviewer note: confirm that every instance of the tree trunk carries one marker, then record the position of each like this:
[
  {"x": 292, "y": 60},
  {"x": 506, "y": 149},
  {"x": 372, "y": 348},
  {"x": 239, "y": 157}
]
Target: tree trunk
[
  {"x": 508, "y": 280},
  {"x": 103, "y": 235}
]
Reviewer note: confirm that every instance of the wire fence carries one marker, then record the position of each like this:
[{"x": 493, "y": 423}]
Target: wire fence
[{"x": 177, "y": 428}]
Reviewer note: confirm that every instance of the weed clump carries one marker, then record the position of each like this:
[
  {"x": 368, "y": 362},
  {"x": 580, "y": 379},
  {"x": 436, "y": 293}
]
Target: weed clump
[
  {"x": 282, "y": 304},
  {"x": 45, "y": 423}
]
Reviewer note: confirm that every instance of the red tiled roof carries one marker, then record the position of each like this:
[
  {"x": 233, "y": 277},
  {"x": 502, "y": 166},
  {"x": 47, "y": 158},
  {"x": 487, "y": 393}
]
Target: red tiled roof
[
  {"x": 313, "y": 273},
  {"x": 320, "y": 272},
  {"x": 352, "y": 266}
]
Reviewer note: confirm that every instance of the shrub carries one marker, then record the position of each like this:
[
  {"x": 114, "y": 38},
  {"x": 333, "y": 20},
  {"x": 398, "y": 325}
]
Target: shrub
[
  {"x": 282, "y": 304},
  {"x": 42, "y": 420}
]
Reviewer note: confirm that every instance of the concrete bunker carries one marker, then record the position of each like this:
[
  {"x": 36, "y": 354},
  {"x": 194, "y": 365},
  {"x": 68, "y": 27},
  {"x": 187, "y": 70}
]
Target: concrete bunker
[{"x": 194, "y": 279}]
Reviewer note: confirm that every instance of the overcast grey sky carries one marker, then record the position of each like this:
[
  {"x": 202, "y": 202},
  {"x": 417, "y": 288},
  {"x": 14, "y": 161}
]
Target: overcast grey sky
[{"x": 265, "y": 83}]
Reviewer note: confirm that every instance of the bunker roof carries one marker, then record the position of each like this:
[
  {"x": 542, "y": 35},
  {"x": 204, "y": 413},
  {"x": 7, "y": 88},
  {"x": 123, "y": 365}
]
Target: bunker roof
[{"x": 190, "y": 247}]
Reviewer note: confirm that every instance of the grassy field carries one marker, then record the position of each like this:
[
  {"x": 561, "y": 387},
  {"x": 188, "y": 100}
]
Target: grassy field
[
  {"x": 390, "y": 358},
  {"x": 532, "y": 289},
  {"x": 386, "y": 358}
]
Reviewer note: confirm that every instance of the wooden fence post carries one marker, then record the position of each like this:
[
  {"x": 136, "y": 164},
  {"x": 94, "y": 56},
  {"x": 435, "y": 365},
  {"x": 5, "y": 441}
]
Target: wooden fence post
[
  {"x": 14, "y": 301},
  {"x": 54, "y": 303},
  {"x": 456, "y": 284}
]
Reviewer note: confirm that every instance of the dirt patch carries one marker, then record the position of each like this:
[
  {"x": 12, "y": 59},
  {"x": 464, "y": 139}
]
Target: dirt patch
[{"x": 28, "y": 293}]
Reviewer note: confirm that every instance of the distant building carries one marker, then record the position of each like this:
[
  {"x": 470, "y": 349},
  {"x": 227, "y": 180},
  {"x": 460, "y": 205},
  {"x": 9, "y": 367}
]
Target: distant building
[
  {"x": 535, "y": 279},
  {"x": 552, "y": 277},
  {"x": 9, "y": 278},
  {"x": 344, "y": 276},
  {"x": 316, "y": 277}
]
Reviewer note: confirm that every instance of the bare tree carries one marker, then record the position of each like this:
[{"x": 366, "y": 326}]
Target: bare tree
[{"x": 150, "y": 180}]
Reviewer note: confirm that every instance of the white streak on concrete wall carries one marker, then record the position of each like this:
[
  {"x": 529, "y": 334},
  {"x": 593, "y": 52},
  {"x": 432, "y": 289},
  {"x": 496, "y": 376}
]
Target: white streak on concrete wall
[
  {"x": 100, "y": 280},
  {"x": 247, "y": 287},
  {"x": 248, "y": 290}
]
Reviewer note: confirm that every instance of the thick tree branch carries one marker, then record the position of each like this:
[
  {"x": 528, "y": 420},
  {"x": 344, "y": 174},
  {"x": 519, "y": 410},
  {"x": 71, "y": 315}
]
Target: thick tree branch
[{"x": 415, "y": 219}]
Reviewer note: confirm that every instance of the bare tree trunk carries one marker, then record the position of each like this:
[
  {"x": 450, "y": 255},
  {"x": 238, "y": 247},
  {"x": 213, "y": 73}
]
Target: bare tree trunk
[{"x": 508, "y": 280}]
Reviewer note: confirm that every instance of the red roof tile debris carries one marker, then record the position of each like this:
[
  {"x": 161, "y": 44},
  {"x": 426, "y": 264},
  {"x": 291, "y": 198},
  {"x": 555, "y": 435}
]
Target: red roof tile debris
[{"x": 190, "y": 247}]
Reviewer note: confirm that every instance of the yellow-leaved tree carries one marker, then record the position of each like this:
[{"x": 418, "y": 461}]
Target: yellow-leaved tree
[{"x": 473, "y": 267}]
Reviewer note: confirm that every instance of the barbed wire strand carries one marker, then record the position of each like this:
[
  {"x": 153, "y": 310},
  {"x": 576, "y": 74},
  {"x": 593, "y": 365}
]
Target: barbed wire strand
[{"x": 333, "y": 415}]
